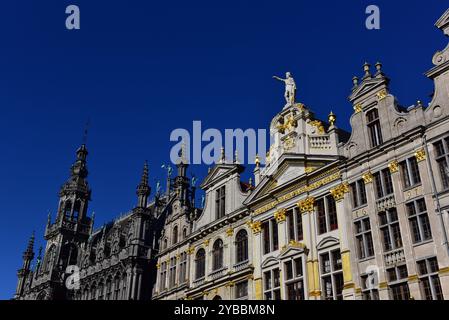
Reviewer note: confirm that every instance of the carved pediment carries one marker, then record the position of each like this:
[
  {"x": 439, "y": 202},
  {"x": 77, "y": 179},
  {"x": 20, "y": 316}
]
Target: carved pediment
[
  {"x": 327, "y": 242},
  {"x": 443, "y": 23},
  {"x": 220, "y": 170},
  {"x": 368, "y": 85}
]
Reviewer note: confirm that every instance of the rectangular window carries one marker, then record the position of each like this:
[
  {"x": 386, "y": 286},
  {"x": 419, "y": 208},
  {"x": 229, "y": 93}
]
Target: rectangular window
[
  {"x": 419, "y": 221},
  {"x": 397, "y": 283},
  {"x": 294, "y": 282},
  {"x": 383, "y": 183},
  {"x": 332, "y": 275},
  {"x": 270, "y": 236},
  {"x": 294, "y": 225},
  {"x": 364, "y": 239},
  {"x": 241, "y": 290},
  {"x": 410, "y": 173},
  {"x": 358, "y": 193},
  {"x": 220, "y": 202},
  {"x": 374, "y": 129},
  {"x": 183, "y": 267},
  {"x": 326, "y": 214},
  {"x": 390, "y": 230},
  {"x": 163, "y": 274},
  {"x": 172, "y": 281},
  {"x": 442, "y": 159},
  {"x": 429, "y": 279},
  {"x": 272, "y": 285}
]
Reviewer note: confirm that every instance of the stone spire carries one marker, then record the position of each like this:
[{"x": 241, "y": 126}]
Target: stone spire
[{"x": 143, "y": 189}]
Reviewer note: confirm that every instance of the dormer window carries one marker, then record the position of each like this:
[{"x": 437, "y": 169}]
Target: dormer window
[
  {"x": 220, "y": 202},
  {"x": 375, "y": 132}
]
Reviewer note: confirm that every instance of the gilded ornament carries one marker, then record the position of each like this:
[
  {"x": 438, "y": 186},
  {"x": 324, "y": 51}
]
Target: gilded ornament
[
  {"x": 306, "y": 205},
  {"x": 339, "y": 192},
  {"x": 393, "y": 166},
  {"x": 368, "y": 177},
  {"x": 280, "y": 215},
  {"x": 420, "y": 155}
]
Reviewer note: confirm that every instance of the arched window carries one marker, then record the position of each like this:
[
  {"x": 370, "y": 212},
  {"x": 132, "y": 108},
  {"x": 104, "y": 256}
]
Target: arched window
[
  {"x": 165, "y": 245},
  {"x": 49, "y": 257},
  {"x": 93, "y": 291},
  {"x": 241, "y": 246},
  {"x": 200, "y": 264},
  {"x": 108, "y": 295},
  {"x": 117, "y": 287},
  {"x": 217, "y": 254},
  {"x": 175, "y": 235},
  {"x": 184, "y": 233},
  {"x": 124, "y": 292}
]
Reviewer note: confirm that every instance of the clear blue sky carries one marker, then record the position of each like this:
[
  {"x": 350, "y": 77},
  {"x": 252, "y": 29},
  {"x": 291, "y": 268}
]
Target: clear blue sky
[{"x": 140, "y": 69}]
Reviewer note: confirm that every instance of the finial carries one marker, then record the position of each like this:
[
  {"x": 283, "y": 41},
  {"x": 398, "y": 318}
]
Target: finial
[
  {"x": 332, "y": 119},
  {"x": 223, "y": 158},
  {"x": 86, "y": 131},
  {"x": 49, "y": 218},
  {"x": 419, "y": 104},
  {"x": 379, "y": 67},
  {"x": 257, "y": 161},
  {"x": 250, "y": 182},
  {"x": 355, "y": 81},
  {"x": 31, "y": 243},
  {"x": 236, "y": 157},
  {"x": 144, "y": 179},
  {"x": 366, "y": 68},
  {"x": 209, "y": 170}
]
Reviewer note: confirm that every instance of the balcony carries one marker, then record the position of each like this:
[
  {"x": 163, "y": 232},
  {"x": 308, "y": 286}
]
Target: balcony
[
  {"x": 218, "y": 273},
  {"x": 320, "y": 142},
  {"x": 241, "y": 265},
  {"x": 198, "y": 282},
  {"x": 385, "y": 203},
  {"x": 394, "y": 257}
]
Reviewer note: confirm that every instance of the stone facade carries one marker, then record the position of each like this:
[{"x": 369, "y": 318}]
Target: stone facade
[{"x": 331, "y": 215}]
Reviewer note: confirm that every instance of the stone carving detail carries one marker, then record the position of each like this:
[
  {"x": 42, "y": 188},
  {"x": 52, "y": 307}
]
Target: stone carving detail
[
  {"x": 306, "y": 205},
  {"x": 339, "y": 192}
]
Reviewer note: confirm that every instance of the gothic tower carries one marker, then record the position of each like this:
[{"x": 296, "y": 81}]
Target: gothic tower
[
  {"x": 23, "y": 273},
  {"x": 71, "y": 227}
]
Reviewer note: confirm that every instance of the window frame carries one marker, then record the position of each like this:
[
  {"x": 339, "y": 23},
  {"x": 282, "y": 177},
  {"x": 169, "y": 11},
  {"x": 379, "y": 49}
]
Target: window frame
[
  {"x": 366, "y": 236},
  {"x": 421, "y": 218},
  {"x": 334, "y": 273}
]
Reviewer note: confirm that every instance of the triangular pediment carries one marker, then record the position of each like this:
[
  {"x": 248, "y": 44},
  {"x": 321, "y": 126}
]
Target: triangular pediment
[
  {"x": 443, "y": 22},
  {"x": 289, "y": 170},
  {"x": 366, "y": 86},
  {"x": 219, "y": 171}
]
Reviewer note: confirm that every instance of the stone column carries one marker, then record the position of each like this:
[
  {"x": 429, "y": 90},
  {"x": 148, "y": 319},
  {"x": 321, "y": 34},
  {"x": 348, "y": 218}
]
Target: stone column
[
  {"x": 306, "y": 207},
  {"x": 256, "y": 253},
  {"x": 344, "y": 228}
]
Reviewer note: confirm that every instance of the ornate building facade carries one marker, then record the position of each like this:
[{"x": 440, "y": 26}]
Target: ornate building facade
[{"x": 331, "y": 215}]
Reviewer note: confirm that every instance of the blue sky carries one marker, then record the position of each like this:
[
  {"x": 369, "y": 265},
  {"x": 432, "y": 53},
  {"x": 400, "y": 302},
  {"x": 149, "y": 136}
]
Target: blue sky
[{"x": 139, "y": 69}]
